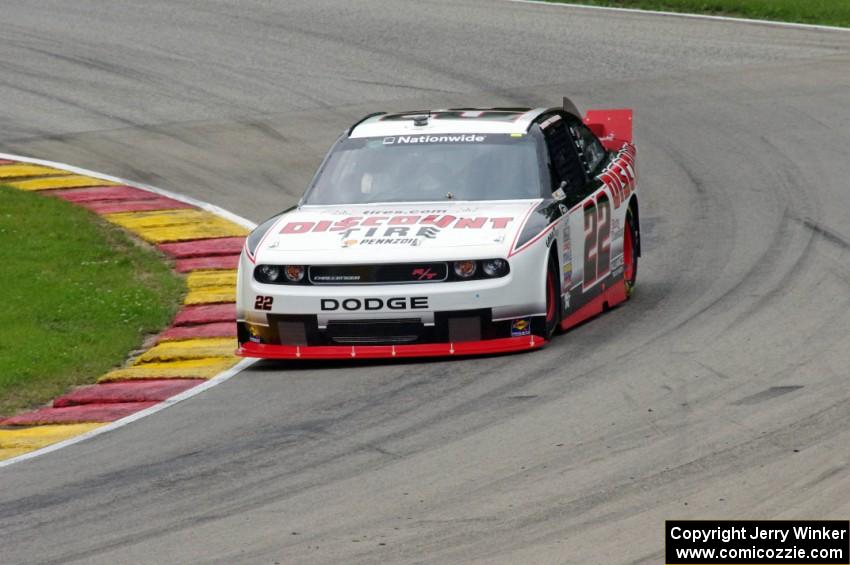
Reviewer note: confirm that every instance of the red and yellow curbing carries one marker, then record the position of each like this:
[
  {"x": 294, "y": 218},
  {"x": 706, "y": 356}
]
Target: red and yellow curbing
[
  {"x": 197, "y": 347},
  {"x": 18, "y": 441}
]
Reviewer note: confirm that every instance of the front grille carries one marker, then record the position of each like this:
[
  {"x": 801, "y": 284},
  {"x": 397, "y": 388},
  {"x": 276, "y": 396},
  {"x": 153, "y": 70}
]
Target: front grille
[
  {"x": 375, "y": 332},
  {"x": 379, "y": 274}
]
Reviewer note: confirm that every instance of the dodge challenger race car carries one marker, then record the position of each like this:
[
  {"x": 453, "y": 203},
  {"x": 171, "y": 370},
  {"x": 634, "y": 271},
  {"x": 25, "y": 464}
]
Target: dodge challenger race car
[{"x": 448, "y": 232}]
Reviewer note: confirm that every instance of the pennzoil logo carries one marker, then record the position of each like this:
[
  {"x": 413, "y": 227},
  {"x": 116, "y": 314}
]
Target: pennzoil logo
[{"x": 520, "y": 327}]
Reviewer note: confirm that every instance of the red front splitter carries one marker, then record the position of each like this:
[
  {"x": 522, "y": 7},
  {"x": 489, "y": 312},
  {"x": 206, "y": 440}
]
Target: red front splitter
[{"x": 484, "y": 347}]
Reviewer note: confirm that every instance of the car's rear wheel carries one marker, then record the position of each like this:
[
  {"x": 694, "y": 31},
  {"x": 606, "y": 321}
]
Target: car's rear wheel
[
  {"x": 553, "y": 302},
  {"x": 630, "y": 258}
]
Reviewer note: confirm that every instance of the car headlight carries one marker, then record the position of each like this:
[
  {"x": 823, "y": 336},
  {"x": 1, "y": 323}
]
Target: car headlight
[
  {"x": 294, "y": 273},
  {"x": 465, "y": 269},
  {"x": 267, "y": 273},
  {"x": 494, "y": 267},
  {"x": 279, "y": 274}
]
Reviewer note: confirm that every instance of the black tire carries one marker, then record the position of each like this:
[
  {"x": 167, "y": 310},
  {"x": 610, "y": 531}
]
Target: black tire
[
  {"x": 630, "y": 256},
  {"x": 553, "y": 299}
]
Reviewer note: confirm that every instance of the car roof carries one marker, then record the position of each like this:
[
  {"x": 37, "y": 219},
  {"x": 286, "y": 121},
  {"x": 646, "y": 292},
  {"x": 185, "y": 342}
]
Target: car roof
[{"x": 448, "y": 121}]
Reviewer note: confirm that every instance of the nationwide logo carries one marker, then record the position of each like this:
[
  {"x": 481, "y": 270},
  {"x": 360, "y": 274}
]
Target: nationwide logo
[{"x": 412, "y": 139}]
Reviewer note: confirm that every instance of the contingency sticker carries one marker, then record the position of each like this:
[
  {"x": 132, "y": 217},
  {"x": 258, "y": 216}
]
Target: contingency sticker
[{"x": 520, "y": 327}]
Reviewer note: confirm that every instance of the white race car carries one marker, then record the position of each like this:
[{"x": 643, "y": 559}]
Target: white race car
[{"x": 448, "y": 232}]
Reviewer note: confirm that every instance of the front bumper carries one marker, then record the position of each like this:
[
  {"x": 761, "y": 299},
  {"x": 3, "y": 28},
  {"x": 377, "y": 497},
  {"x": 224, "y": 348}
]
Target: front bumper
[
  {"x": 464, "y": 348},
  {"x": 394, "y": 320}
]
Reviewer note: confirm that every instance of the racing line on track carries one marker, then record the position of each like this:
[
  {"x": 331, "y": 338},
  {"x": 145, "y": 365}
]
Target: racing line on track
[{"x": 193, "y": 354}]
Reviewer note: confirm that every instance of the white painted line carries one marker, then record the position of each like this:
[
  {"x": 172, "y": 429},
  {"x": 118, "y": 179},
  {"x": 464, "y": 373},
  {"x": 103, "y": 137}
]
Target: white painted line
[
  {"x": 211, "y": 208},
  {"x": 186, "y": 394},
  {"x": 216, "y": 380},
  {"x": 684, "y": 15}
]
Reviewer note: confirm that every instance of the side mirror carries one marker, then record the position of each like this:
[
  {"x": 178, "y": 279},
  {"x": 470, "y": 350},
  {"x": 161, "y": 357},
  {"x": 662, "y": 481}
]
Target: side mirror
[{"x": 561, "y": 193}]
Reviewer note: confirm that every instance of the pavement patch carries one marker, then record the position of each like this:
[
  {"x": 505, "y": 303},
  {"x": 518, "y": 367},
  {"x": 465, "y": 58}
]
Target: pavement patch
[
  {"x": 118, "y": 192},
  {"x": 206, "y": 287},
  {"x": 26, "y": 170},
  {"x": 203, "y": 247},
  {"x": 218, "y": 329},
  {"x": 187, "y": 350},
  {"x": 209, "y": 295},
  {"x": 66, "y": 181},
  {"x": 17, "y": 441},
  {"x": 205, "y": 314},
  {"x": 191, "y": 369},
  {"x": 210, "y": 279},
  {"x": 209, "y": 262},
  {"x": 130, "y": 391},
  {"x": 176, "y": 225},
  {"x": 148, "y": 205},
  {"x": 83, "y": 413}
]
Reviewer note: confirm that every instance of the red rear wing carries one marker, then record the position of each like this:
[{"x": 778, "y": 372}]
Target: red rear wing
[{"x": 612, "y": 127}]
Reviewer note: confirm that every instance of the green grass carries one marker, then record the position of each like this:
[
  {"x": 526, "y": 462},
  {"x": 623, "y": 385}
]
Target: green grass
[
  {"x": 76, "y": 296},
  {"x": 824, "y": 12}
]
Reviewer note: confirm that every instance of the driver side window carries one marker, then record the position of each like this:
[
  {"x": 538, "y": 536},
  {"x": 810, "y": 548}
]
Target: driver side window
[
  {"x": 589, "y": 148},
  {"x": 563, "y": 158}
]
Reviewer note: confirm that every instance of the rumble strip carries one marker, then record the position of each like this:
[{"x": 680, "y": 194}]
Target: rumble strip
[{"x": 192, "y": 355}]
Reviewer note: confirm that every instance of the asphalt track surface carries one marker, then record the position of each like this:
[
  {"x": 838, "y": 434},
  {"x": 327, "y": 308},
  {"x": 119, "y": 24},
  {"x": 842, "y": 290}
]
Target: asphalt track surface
[{"x": 720, "y": 390}]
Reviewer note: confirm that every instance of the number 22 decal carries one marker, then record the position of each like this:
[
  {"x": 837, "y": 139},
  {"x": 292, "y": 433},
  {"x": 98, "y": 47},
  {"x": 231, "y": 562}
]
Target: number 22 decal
[
  {"x": 263, "y": 303},
  {"x": 597, "y": 240}
]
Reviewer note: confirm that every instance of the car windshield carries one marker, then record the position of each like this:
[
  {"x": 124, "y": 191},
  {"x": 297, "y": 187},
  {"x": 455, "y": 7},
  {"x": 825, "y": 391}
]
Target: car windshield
[{"x": 428, "y": 167}]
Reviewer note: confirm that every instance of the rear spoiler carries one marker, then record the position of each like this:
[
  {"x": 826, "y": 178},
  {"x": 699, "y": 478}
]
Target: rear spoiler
[{"x": 612, "y": 127}]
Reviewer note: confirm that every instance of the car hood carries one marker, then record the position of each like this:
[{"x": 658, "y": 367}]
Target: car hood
[{"x": 384, "y": 233}]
